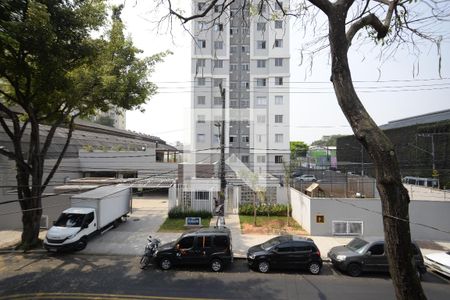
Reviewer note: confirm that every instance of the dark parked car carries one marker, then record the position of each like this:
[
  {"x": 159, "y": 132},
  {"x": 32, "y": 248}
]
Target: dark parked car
[
  {"x": 285, "y": 252},
  {"x": 206, "y": 246},
  {"x": 367, "y": 254}
]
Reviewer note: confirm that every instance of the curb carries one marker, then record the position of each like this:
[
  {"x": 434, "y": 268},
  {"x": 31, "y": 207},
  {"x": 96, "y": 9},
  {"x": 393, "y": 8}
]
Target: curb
[{"x": 34, "y": 251}]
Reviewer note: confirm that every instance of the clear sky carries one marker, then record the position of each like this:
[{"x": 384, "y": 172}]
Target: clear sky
[{"x": 388, "y": 90}]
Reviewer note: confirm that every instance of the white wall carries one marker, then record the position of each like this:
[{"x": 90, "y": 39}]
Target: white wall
[{"x": 301, "y": 207}]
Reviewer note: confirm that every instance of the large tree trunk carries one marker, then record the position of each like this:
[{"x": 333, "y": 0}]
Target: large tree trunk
[{"x": 394, "y": 197}]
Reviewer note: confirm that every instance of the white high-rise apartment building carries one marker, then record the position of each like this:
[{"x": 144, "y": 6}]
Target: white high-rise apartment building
[{"x": 249, "y": 56}]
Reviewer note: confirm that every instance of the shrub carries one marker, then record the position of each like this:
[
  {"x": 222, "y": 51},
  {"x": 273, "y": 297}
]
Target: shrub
[
  {"x": 279, "y": 210},
  {"x": 178, "y": 212}
]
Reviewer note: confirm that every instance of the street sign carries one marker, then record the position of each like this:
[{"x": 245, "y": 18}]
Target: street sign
[{"x": 193, "y": 221}]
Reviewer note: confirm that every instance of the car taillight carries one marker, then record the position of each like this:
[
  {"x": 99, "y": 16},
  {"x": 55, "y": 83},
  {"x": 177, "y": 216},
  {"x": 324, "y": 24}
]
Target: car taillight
[{"x": 318, "y": 252}]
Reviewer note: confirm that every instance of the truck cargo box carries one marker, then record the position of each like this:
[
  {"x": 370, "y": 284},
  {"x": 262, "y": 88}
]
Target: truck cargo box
[{"x": 110, "y": 202}]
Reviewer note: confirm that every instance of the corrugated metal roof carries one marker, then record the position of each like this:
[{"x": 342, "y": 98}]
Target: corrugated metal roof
[{"x": 101, "y": 192}]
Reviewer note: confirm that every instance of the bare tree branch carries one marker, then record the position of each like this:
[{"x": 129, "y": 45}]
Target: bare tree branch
[
  {"x": 61, "y": 155},
  {"x": 371, "y": 20}
]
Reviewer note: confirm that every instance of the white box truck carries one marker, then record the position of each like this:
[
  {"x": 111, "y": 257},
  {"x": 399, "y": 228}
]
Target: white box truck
[{"x": 92, "y": 212}]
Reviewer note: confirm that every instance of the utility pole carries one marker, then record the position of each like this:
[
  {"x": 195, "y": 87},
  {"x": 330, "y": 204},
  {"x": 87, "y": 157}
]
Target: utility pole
[{"x": 221, "y": 126}]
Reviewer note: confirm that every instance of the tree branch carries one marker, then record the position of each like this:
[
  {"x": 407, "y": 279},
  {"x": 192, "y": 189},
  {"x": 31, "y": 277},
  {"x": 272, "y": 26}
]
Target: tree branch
[
  {"x": 371, "y": 20},
  {"x": 323, "y": 5},
  {"x": 196, "y": 16},
  {"x": 61, "y": 155}
]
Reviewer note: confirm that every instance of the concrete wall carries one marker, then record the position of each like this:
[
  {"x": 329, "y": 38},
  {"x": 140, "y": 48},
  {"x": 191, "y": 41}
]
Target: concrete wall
[
  {"x": 301, "y": 207},
  {"x": 431, "y": 213}
]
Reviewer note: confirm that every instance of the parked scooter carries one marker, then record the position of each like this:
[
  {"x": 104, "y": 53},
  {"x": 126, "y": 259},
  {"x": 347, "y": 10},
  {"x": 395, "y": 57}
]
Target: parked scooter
[{"x": 150, "y": 250}]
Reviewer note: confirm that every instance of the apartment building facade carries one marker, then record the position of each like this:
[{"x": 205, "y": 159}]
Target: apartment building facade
[{"x": 247, "y": 54}]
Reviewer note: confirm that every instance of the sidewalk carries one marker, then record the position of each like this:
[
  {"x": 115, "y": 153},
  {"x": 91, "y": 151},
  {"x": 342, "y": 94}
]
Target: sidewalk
[{"x": 130, "y": 238}]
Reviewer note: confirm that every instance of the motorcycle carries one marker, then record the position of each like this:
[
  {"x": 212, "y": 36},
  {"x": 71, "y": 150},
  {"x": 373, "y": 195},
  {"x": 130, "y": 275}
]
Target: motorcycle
[{"x": 149, "y": 252}]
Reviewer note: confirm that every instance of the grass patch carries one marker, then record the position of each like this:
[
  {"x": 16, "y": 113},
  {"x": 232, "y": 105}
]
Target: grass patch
[
  {"x": 177, "y": 225},
  {"x": 270, "y": 225}
]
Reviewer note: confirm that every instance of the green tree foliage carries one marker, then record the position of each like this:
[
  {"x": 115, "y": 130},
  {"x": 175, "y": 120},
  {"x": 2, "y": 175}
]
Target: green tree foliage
[
  {"x": 105, "y": 120},
  {"x": 327, "y": 140},
  {"x": 298, "y": 149},
  {"x": 53, "y": 70}
]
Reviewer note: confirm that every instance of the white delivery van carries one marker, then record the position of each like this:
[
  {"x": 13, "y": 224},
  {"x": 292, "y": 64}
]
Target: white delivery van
[{"x": 92, "y": 212}]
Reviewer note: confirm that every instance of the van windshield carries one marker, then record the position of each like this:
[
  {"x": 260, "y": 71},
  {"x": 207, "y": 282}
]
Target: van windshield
[
  {"x": 70, "y": 220},
  {"x": 357, "y": 245}
]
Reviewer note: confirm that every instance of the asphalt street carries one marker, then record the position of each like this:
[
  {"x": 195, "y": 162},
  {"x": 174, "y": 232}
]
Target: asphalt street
[{"x": 57, "y": 276}]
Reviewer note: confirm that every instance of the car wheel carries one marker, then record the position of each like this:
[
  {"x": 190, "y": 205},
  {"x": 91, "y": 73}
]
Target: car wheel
[
  {"x": 82, "y": 243},
  {"x": 263, "y": 266},
  {"x": 165, "y": 263},
  {"x": 314, "y": 268},
  {"x": 216, "y": 265},
  {"x": 354, "y": 270}
]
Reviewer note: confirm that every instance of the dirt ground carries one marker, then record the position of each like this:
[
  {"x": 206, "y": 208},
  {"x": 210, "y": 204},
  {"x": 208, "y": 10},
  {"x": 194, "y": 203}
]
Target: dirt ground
[{"x": 272, "y": 227}]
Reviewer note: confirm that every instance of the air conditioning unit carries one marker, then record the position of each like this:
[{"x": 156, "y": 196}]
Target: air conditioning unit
[
  {"x": 44, "y": 222},
  {"x": 347, "y": 227}
]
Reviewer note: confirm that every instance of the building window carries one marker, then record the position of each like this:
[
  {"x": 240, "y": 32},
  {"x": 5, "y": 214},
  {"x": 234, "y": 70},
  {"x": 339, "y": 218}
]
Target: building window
[
  {"x": 278, "y": 118},
  {"x": 245, "y": 67},
  {"x": 217, "y": 8},
  {"x": 261, "y": 63},
  {"x": 232, "y": 138},
  {"x": 278, "y": 43},
  {"x": 245, "y": 85},
  {"x": 278, "y": 138},
  {"x": 261, "y": 119},
  {"x": 261, "y": 100},
  {"x": 201, "y": 81},
  {"x": 201, "y": 62},
  {"x": 201, "y": 43},
  {"x": 245, "y": 49},
  {"x": 201, "y": 119},
  {"x": 261, "y": 26},
  {"x": 244, "y": 159},
  {"x": 278, "y": 159},
  {"x": 260, "y": 138},
  {"x": 279, "y": 100},
  {"x": 218, "y": 45},
  {"x": 217, "y": 100},
  {"x": 233, "y": 49},
  {"x": 217, "y": 81},
  {"x": 200, "y": 138},
  {"x": 278, "y": 80},
  {"x": 233, "y": 67},
  {"x": 261, "y": 44},
  {"x": 261, "y": 81},
  {"x": 245, "y": 139},
  {"x": 278, "y": 62},
  {"x": 278, "y": 24},
  {"x": 218, "y": 63},
  {"x": 201, "y": 100},
  {"x": 233, "y": 85},
  {"x": 261, "y": 158},
  {"x": 218, "y": 27}
]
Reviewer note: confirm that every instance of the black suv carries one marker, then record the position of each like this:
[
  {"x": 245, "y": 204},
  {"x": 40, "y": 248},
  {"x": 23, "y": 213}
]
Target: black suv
[
  {"x": 206, "y": 246},
  {"x": 367, "y": 254},
  {"x": 284, "y": 252}
]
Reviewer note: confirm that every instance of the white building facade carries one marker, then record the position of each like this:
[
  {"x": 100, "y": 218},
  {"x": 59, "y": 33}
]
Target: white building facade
[{"x": 248, "y": 55}]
